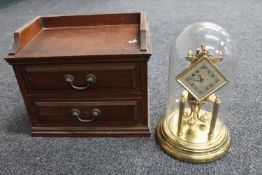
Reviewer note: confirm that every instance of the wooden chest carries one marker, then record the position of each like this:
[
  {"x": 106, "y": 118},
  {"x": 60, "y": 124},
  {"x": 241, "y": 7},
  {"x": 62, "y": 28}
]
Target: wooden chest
[{"x": 84, "y": 75}]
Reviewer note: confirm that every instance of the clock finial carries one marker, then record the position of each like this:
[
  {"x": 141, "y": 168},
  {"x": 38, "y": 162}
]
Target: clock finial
[
  {"x": 218, "y": 58},
  {"x": 190, "y": 57}
]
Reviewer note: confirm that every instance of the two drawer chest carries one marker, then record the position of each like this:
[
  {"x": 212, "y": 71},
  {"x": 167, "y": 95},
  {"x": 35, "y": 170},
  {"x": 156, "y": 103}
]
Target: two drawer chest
[{"x": 84, "y": 75}]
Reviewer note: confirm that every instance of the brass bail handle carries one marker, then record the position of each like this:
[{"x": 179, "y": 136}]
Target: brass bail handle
[
  {"x": 94, "y": 113},
  {"x": 90, "y": 79}
]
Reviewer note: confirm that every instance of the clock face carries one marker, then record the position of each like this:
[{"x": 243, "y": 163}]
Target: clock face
[{"x": 202, "y": 79}]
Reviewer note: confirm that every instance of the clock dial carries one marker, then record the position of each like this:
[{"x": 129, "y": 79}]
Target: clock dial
[{"x": 202, "y": 79}]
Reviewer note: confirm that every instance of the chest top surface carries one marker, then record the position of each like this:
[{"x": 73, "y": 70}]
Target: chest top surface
[{"x": 82, "y": 35}]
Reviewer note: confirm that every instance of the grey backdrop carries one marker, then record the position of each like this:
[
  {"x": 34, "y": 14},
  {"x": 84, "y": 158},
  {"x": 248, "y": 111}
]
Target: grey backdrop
[{"x": 22, "y": 154}]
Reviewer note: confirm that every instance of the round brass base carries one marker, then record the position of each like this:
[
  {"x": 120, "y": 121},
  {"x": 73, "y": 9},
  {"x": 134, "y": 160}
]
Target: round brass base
[{"x": 194, "y": 144}]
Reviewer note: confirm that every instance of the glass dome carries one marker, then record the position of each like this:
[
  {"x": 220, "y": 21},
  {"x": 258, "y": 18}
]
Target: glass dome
[{"x": 216, "y": 39}]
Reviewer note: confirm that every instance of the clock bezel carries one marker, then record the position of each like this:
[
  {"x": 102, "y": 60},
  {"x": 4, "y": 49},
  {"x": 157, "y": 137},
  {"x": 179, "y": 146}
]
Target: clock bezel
[{"x": 179, "y": 76}]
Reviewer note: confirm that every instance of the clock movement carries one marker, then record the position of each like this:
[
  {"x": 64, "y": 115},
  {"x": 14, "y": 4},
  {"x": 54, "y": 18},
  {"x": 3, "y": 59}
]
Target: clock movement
[{"x": 192, "y": 130}]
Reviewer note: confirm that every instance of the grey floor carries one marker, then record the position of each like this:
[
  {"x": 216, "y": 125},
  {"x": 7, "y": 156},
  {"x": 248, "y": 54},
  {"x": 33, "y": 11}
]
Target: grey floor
[{"x": 22, "y": 154}]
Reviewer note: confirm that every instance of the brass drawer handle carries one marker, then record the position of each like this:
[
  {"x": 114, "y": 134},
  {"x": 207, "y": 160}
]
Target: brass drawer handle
[
  {"x": 94, "y": 113},
  {"x": 90, "y": 79}
]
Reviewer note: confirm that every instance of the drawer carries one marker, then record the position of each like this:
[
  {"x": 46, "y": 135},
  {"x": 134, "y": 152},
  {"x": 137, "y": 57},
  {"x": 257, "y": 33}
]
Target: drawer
[
  {"x": 106, "y": 113},
  {"x": 83, "y": 78}
]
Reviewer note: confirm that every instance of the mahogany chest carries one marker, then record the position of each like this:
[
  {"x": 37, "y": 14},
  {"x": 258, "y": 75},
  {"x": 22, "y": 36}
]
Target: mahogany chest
[{"x": 84, "y": 75}]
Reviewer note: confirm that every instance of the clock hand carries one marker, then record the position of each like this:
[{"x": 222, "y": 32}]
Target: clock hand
[
  {"x": 196, "y": 80},
  {"x": 201, "y": 79}
]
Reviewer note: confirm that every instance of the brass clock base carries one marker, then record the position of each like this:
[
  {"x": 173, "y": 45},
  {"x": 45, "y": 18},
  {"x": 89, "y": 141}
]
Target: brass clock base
[{"x": 194, "y": 144}]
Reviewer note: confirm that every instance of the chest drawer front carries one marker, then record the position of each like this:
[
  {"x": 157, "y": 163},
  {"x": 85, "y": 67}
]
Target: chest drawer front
[
  {"x": 106, "y": 113},
  {"x": 84, "y": 78}
]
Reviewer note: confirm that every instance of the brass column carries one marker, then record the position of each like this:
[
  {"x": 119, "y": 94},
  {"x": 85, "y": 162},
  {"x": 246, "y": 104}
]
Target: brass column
[
  {"x": 214, "y": 116},
  {"x": 181, "y": 114}
]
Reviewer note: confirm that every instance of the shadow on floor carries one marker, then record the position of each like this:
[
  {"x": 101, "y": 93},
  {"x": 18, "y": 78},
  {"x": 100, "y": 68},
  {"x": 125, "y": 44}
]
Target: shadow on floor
[{"x": 18, "y": 125}]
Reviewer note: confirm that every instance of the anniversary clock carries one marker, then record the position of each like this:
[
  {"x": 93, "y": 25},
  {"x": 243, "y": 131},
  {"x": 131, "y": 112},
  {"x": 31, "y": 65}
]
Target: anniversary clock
[{"x": 192, "y": 130}]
